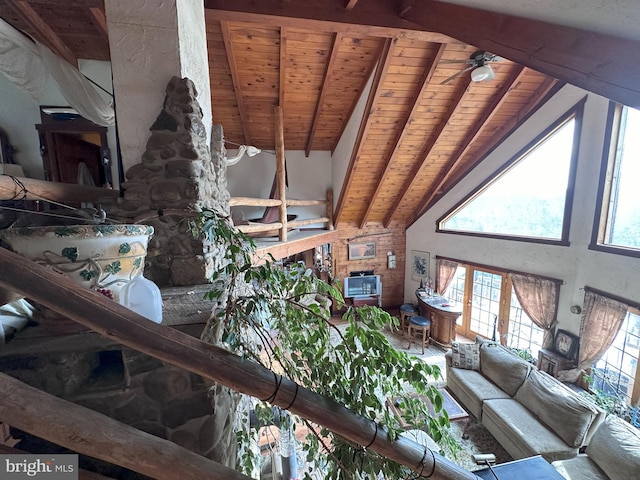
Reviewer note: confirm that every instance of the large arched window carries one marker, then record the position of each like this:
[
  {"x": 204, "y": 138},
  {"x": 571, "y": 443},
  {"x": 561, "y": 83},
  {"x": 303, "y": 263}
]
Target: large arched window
[{"x": 530, "y": 197}]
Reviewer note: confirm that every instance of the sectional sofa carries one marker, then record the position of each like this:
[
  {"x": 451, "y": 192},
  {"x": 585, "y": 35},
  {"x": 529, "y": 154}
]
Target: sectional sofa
[
  {"x": 612, "y": 454},
  {"x": 526, "y": 410}
]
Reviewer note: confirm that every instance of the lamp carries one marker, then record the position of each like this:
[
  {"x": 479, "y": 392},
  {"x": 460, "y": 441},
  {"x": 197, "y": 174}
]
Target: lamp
[
  {"x": 482, "y": 73},
  {"x": 242, "y": 149}
]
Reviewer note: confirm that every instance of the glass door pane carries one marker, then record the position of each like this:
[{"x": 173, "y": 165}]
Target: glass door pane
[{"x": 485, "y": 304}]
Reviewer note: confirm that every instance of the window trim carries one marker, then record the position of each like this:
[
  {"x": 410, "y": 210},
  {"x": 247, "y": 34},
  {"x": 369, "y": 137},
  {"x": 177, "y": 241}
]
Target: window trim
[
  {"x": 612, "y": 131},
  {"x": 577, "y": 112}
]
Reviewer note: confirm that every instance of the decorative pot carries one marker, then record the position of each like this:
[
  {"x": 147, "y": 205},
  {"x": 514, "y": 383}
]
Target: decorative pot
[{"x": 99, "y": 257}]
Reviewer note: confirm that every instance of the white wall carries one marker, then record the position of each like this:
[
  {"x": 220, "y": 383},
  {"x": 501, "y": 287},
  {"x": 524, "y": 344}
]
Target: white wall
[
  {"x": 575, "y": 264},
  {"x": 19, "y": 114}
]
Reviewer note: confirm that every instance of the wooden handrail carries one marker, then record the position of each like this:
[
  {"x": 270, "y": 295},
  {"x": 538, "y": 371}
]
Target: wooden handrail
[
  {"x": 273, "y": 202},
  {"x": 120, "y": 324},
  {"x": 91, "y": 433},
  {"x": 11, "y": 188}
]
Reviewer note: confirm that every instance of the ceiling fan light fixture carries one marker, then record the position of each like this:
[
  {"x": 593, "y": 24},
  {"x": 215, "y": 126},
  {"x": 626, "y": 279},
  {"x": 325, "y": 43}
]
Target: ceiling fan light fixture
[{"x": 482, "y": 73}]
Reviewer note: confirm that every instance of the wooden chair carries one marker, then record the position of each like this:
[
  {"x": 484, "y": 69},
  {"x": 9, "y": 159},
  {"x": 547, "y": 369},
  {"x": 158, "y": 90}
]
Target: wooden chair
[{"x": 418, "y": 324}]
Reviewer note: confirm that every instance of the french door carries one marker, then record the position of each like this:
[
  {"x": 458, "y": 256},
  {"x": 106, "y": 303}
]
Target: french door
[
  {"x": 485, "y": 296},
  {"x": 491, "y": 309}
]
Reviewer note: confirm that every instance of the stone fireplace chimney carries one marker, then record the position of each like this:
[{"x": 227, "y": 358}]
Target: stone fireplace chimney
[{"x": 178, "y": 175}]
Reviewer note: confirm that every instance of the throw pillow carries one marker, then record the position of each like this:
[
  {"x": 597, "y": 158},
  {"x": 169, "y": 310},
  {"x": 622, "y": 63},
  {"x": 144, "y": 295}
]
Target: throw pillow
[{"x": 465, "y": 355}]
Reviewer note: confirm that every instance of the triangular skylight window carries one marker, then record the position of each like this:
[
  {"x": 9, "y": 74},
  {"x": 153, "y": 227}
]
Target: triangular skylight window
[{"x": 530, "y": 196}]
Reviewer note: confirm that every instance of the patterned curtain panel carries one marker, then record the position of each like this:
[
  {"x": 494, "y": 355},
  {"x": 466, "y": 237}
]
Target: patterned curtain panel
[
  {"x": 539, "y": 300},
  {"x": 445, "y": 270},
  {"x": 602, "y": 318}
]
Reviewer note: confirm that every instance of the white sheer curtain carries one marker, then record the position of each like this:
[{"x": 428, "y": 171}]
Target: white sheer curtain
[
  {"x": 28, "y": 64},
  {"x": 20, "y": 61}
]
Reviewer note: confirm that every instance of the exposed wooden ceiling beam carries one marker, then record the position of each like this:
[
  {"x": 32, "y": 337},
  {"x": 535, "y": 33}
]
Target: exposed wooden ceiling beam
[
  {"x": 373, "y": 18},
  {"x": 420, "y": 89},
  {"x": 599, "y": 63},
  {"x": 350, "y": 4},
  {"x": 235, "y": 78},
  {"x": 426, "y": 150},
  {"x": 48, "y": 36},
  {"x": 335, "y": 48},
  {"x": 548, "y": 88},
  {"x": 455, "y": 160},
  {"x": 384, "y": 61},
  {"x": 100, "y": 20}
]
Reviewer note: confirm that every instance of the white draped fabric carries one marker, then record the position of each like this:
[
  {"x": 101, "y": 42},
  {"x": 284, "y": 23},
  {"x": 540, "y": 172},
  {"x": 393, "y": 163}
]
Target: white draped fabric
[
  {"x": 28, "y": 65},
  {"x": 20, "y": 61}
]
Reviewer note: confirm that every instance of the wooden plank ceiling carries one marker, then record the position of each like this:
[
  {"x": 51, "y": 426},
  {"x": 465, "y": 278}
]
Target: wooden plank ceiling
[{"x": 418, "y": 136}]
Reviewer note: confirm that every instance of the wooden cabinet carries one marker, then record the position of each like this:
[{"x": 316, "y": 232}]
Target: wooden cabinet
[
  {"x": 74, "y": 150},
  {"x": 443, "y": 318},
  {"x": 552, "y": 362}
]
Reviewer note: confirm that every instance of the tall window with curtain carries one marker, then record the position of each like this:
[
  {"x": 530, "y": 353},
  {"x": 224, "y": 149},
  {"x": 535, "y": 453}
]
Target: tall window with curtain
[
  {"x": 610, "y": 345},
  {"x": 518, "y": 309}
]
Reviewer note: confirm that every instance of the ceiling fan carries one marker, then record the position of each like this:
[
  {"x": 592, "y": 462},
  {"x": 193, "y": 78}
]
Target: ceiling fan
[{"x": 478, "y": 63}]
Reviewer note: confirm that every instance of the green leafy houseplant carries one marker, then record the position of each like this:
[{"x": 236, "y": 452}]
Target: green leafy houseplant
[
  {"x": 613, "y": 403},
  {"x": 280, "y": 318}
]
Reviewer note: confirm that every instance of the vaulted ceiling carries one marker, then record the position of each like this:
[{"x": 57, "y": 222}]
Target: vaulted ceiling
[{"x": 421, "y": 130}]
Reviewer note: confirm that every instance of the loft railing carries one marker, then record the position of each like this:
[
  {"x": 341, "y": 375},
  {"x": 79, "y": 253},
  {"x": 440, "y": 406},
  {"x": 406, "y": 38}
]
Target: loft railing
[{"x": 283, "y": 224}]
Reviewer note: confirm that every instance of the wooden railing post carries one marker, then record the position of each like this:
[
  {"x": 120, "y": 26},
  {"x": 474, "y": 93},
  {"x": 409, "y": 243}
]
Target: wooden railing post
[
  {"x": 330, "y": 224},
  {"x": 280, "y": 172}
]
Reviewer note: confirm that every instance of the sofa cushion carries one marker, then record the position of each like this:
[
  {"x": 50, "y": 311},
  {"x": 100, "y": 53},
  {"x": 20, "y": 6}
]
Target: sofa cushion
[
  {"x": 579, "y": 468},
  {"x": 465, "y": 355},
  {"x": 520, "y": 433},
  {"x": 558, "y": 407},
  {"x": 470, "y": 388},
  {"x": 502, "y": 367},
  {"x": 615, "y": 448}
]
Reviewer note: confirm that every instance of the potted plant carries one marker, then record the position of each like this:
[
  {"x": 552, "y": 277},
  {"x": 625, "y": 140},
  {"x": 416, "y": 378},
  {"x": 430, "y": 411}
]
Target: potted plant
[{"x": 281, "y": 319}]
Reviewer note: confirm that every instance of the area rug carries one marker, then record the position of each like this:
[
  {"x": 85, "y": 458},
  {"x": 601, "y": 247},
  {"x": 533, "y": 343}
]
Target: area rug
[{"x": 477, "y": 439}]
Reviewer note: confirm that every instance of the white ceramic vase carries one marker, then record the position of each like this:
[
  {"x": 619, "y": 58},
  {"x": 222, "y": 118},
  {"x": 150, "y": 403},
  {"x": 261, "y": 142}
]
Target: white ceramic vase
[{"x": 98, "y": 257}]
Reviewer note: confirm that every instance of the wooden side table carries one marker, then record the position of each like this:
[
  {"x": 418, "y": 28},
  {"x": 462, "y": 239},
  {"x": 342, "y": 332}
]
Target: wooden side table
[{"x": 552, "y": 362}]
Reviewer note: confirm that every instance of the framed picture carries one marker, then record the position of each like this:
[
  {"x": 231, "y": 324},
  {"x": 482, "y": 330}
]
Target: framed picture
[
  {"x": 566, "y": 344},
  {"x": 419, "y": 265},
  {"x": 360, "y": 251}
]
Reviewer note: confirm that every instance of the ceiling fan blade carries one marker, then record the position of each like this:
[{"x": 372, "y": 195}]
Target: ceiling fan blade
[
  {"x": 458, "y": 61},
  {"x": 456, "y": 75}
]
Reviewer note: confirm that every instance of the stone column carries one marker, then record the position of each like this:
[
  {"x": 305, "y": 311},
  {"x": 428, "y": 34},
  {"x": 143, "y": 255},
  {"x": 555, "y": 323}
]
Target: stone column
[{"x": 150, "y": 43}]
